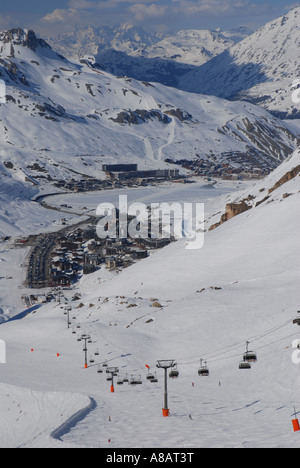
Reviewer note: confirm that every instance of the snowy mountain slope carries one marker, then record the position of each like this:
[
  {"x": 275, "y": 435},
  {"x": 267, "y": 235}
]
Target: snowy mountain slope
[
  {"x": 243, "y": 285},
  {"x": 260, "y": 69},
  {"x": 30, "y": 417},
  {"x": 62, "y": 120}
]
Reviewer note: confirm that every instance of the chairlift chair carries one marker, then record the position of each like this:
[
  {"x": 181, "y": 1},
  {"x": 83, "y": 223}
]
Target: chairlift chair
[
  {"x": 174, "y": 374},
  {"x": 154, "y": 380},
  {"x": 245, "y": 365},
  {"x": 100, "y": 370},
  {"x": 132, "y": 381},
  {"x": 203, "y": 371},
  {"x": 249, "y": 356},
  {"x": 139, "y": 381},
  {"x": 297, "y": 320},
  {"x": 150, "y": 376}
]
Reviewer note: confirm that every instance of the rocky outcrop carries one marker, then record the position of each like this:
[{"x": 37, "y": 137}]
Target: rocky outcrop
[
  {"x": 232, "y": 210},
  {"x": 286, "y": 178},
  {"x": 26, "y": 38},
  {"x": 140, "y": 116}
]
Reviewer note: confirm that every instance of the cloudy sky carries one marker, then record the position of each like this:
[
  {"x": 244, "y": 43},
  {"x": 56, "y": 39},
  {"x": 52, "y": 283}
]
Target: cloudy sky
[{"x": 57, "y": 16}]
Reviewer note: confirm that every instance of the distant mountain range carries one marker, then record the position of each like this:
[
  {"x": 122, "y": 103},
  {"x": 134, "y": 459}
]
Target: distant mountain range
[
  {"x": 191, "y": 47},
  {"x": 258, "y": 67}
]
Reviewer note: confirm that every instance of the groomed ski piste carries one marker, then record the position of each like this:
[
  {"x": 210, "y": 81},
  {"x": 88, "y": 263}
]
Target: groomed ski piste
[{"x": 243, "y": 285}]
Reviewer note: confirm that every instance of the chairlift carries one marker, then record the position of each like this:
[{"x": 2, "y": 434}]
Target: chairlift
[
  {"x": 249, "y": 356},
  {"x": 97, "y": 353},
  {"x": 92, "y": 360},
  {"x": 297, "y": 320},
  {"x": 120, "y": 381},
  {"x": 245, "y": 365},
  {"x": 154, "y": 380},
  {"x": 203, "y": 371},
  {"x": 105, "y": 364},
  {"x": 150, "y": 376},
  {"x": 139, "y": 381},
  {"x": 174, "y": 374},
  {"x": 126, "y": 380},
  {"x": 134, "y": 381},
  {"x": 100, "y": 370}
]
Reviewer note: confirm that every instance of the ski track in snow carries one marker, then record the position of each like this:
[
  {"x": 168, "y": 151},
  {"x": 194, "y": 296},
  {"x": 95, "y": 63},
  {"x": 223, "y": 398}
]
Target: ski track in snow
[{"x": 171, "y": 139}]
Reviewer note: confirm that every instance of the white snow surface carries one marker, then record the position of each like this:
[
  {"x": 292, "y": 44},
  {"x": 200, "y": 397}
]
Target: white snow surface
[{"x": 243, "y": 285}]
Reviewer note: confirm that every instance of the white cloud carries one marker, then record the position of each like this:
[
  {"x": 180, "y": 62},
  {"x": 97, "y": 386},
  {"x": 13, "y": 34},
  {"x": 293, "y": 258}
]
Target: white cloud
[
  {"x": 142, "y": 12},
  {"x": 59, "y": 15}
]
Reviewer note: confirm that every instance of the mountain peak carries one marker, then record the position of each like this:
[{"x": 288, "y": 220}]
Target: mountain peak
[{"x": 23, "y": 37}]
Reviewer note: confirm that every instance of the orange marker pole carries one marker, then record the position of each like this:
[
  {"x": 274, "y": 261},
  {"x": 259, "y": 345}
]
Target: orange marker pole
[
  {"x": 296, "y": 425},
  {"x": 295, "y": 422}
]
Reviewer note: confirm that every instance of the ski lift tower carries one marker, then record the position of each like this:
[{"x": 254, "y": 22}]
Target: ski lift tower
[
  {"x": 86, "y": 339},
  {"x": 113, "y": 371},
  {"x": 166, "y": 365},
  {"x": 67, "y": 312}
]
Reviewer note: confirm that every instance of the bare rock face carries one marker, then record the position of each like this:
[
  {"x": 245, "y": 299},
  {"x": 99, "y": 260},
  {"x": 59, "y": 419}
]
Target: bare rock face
[
  {"x": 286, "y": 178},
  {"x": 232, "y": 210}
]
